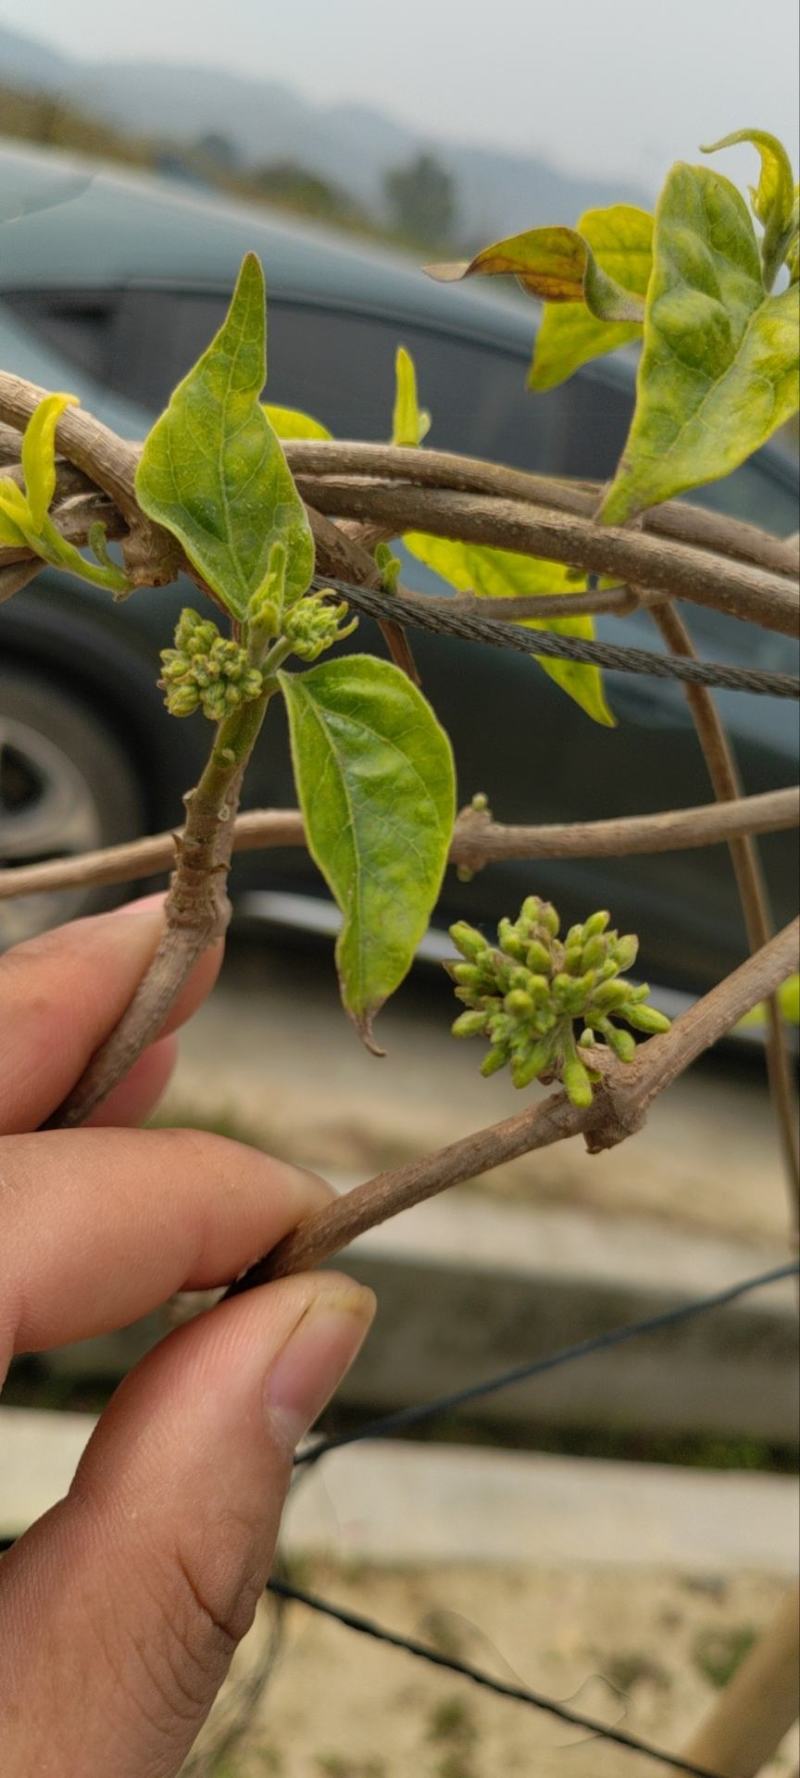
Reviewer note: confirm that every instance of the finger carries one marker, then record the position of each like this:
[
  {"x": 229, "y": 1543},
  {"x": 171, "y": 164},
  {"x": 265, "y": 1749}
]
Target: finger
[
  {"x": 139, "y": 1093},
  {"x": 98, "y": 1227},
  {"x": 63, "y": 992},
  {"x": 120, "y": 1609}
]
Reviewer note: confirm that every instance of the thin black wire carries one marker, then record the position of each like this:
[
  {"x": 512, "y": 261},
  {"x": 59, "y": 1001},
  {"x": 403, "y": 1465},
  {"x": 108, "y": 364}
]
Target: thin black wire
[
  {"x": 412, "y": 1416},
  {"x": 412, "y": 610},
  {"x": 575, "y": 1719}
]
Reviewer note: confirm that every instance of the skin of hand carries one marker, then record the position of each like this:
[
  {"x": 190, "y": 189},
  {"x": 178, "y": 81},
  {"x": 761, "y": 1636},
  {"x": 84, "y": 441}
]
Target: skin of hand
[{"x": 121, "y": 1608}]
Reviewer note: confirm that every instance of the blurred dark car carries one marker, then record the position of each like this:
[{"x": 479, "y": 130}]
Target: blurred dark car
[{"x": 110, "y": 286}]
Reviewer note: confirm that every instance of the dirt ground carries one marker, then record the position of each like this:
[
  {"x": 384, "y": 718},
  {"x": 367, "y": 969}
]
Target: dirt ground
[
  {"x": 272, "y": 1058},
  {"x": 642, "y": 1650}
]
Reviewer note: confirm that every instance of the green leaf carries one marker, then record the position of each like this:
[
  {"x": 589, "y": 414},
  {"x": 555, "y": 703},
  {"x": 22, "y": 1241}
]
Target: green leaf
[
  {"x": 39, "y": 454},
  {"x": 719, "y": 370},
  {"x": 773, "y": 199},
  {"x": 500, "y": 573},
  {"x": 410, "y": 422},
  {"x": 212, "y": 470},
  {"x": 621, "y": 238},
  {"x": 289, "y": 422},
  {"x": 376, "y": 784},
  {"x": 556, "y": 264}
]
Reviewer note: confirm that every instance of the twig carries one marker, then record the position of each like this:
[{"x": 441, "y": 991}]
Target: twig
[
  {"x": 469, "y": 475},
  {"x": 618, "y": 1111},
  {"x": 197, "y": 912},
  {"x": 672, "y": 567},
  {"x": 724, "y": 776},
  {"x": 759, "y": 1704},
  {"x": 445, "y": 469},
  {"x": 16, "y": 575},
  {"x": 477, "y": 841},
  {"x": 752, "y": 594}
]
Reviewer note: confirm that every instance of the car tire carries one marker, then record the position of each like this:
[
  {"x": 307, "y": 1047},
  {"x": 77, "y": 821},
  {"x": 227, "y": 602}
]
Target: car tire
[{"x": 66, "y": 786}]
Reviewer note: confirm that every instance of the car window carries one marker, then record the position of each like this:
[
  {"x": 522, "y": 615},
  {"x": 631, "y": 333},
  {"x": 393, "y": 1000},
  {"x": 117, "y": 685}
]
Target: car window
[
  {"x": 340, "y": 366},
  {"x": 76, "y": 325},
  {"x": 141, "y": 341}
]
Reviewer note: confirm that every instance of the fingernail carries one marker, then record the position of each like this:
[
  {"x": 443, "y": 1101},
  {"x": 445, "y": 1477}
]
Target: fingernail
[{"x": 317, "y": 1355}]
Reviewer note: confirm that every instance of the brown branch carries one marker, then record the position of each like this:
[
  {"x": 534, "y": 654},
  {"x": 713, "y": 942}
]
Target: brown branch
[
  {"x": 724, "y": 776},
  {"x": 618, "y": 1111},
  {"x": 758, "y": 1705},
  {"x": 634, "y": 557},
  {"x": 468, "y": 475},
  {"x": 695, "y": 525},
  {"x": 672, "y": 567},
  {"x": 197, "y": 911},
  {"x": 477, "y": 841},
  {"x": 16, "y": 575}
]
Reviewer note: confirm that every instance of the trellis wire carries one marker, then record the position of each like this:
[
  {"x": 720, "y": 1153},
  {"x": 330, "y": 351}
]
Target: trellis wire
[
  {"x": 352, "y": 1620},
  {"x": 414, "y": 611},
  {"x": 404, "y": 1417},
  {"x": 538, "y": 1367}
]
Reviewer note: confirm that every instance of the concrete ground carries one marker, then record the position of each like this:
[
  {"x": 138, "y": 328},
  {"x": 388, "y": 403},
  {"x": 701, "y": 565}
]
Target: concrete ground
[{"x": 628, "y": 1592}]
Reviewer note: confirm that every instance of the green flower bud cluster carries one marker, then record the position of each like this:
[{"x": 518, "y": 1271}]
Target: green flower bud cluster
[
  {"x": 312, "y": 626},
  {"x": 525, "y": 993},
  {"x": 206, "y": 671}
]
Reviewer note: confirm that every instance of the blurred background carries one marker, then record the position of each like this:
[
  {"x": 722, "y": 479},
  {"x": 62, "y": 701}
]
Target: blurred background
[{"x": 142, "y": 152}]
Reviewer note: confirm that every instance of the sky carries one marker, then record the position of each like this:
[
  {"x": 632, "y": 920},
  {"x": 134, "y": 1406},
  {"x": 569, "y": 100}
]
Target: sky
[{"x": 621, "y": 87}]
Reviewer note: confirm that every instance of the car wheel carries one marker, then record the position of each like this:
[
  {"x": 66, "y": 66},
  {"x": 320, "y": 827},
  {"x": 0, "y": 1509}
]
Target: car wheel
[{"x": 66, "y": 786}]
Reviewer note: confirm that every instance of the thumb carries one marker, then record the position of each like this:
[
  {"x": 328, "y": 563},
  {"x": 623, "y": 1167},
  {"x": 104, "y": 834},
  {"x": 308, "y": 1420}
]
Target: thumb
[{"x": 120, "y": 1610}]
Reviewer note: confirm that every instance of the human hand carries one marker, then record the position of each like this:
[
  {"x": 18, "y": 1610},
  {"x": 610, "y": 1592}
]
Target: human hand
[{"x": 121, "y": 1608}]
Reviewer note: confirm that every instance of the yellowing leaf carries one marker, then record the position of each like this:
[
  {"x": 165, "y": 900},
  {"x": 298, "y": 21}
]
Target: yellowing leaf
[
  {"x": 39, "y": 454},
  {"x": 14, "y": 514},
  {"x": 719, "y": 369},
  {"x": 376, "y": 783},
  {"x": 410, "y": 422},
  {"x": 556, "y": 264},
  {"x": 773, "y": 199},
  {"x": 212, "y": 470},
  {"x": 500, "y": 573},
  {"x": 289, "y": 422},
  {"x": 621, "y": 238}
]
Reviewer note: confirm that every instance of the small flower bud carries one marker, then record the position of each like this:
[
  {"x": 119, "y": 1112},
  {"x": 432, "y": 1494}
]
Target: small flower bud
[
  {"x": 596, "y": 924},
  {"x": 577, "y": 1084},
  {"x": 468, "y": 940},
  {"x": 468, "y": 1024},
  {"x": 530, "y": 1063},
  {"x": 518, "y": 1001},
  {"x": 492, "y": 1061},
  {"x": 646, "y": 1018},
  {"x": 538, "y": 957},
  {"x": 621, "y": 1042},
  {"x": 594, "y": 953},
  {"x": 625, "y": 952}
]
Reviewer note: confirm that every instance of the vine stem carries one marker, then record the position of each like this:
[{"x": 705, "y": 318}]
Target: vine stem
[
  {"x": 617, "y": 1112},
  {"x": 679, "y": 551},
  {"x": 477, "y": 840},
  {"x": 723, "y": 773},
  {"x": 197, "y": 910}
]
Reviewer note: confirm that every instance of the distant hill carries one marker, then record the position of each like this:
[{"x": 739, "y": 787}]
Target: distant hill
[{"x": 266, "y": 121}]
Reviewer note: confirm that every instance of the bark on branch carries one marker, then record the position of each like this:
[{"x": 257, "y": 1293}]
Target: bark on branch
[
  {"x": 477, "y": 841},
  {"x": 618, "y": 1111}
]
